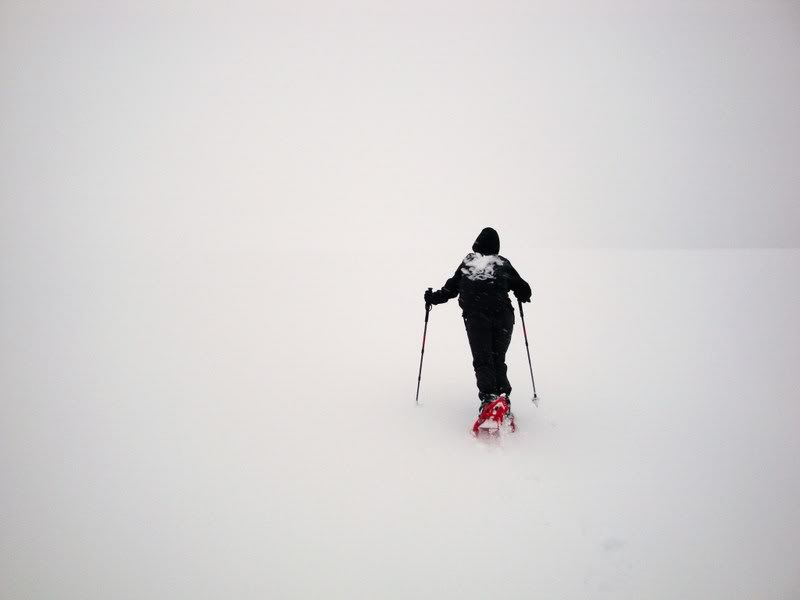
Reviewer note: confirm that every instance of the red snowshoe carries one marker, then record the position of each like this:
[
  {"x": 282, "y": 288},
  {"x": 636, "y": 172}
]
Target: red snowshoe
[{"x": 495, "y": 417}]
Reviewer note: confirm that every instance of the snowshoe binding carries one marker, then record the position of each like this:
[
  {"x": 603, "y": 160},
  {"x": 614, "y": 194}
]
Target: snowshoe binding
[{"x": 495, "y": 417}]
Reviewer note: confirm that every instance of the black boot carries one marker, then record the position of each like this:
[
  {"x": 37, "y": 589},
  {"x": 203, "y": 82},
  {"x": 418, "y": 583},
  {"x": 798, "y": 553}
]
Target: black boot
[
  {"x": 485, "y": 399},
  {"x": 509, "y": 414}
]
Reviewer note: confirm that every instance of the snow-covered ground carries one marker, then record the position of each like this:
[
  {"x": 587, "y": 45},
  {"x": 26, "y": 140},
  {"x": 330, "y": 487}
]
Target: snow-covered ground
[
  {"x": 217, "y": 222},
  {"x": 225, "y": 432}
]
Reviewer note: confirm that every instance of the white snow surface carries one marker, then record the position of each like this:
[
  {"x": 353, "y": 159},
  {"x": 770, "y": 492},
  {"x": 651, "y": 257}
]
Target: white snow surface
[
  {"x": 217, "y": 223},
  {"x": 166, "y": 434}
]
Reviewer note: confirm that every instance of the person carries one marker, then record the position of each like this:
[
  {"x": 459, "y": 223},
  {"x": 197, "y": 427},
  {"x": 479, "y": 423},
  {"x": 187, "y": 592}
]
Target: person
[{"x": 482, "y": 282}]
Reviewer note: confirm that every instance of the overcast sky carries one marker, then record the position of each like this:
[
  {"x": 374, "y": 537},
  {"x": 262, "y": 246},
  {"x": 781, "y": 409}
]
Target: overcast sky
[{"x": 308, "y": 126}]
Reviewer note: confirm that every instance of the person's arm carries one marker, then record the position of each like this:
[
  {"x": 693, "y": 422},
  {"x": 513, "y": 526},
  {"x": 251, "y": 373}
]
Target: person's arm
[
  {"x": 448, "y": 291},
  {"x": 518, "y": 285}
]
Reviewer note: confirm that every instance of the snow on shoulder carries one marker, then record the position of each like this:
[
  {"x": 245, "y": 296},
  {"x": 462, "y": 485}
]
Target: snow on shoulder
[{"x": 479, "y": 267}]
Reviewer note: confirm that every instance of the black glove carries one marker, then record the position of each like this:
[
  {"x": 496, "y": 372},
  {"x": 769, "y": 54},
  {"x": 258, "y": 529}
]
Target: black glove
[
  {"x": 437, "y": 297},
  {"x": 524, "y": 299}
]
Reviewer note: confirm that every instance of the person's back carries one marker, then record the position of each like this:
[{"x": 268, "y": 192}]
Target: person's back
[
  {"x": 482, "y": 282},
  {"x": 483, "y": 279}
]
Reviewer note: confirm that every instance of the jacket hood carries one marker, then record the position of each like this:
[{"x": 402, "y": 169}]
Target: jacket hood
[{"x": 488, "y": 242}]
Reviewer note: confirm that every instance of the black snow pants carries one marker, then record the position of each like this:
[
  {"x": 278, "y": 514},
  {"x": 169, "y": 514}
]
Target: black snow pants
[{"x": 489, "y": 337}]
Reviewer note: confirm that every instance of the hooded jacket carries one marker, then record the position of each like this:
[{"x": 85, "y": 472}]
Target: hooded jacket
[{"x": 483, "y": 279}]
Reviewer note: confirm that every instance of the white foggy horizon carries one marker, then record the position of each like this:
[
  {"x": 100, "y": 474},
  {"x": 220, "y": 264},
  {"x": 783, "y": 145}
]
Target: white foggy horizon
[
  {"x": 672, "y": 126},
  {"x": 217, "y": 221}
]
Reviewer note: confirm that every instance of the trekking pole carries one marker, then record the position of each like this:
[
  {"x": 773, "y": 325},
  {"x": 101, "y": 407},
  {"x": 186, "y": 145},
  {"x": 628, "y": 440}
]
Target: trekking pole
[
  {"x": 422, "y": 354},
  {"x": 535, "y": 398}
]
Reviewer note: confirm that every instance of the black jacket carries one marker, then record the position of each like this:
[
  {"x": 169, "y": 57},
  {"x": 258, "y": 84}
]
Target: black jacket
[{"x": 482, "y": 283}]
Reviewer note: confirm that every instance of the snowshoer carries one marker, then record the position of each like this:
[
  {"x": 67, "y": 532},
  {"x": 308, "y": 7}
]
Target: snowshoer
[{"x": 482, "y": 282}]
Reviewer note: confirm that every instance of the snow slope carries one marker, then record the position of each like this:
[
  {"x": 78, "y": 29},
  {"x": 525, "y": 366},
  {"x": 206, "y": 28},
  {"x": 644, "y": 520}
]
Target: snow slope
[
  {"x": 217, "y": 221},
  {"x": 223, "y": 429}
]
